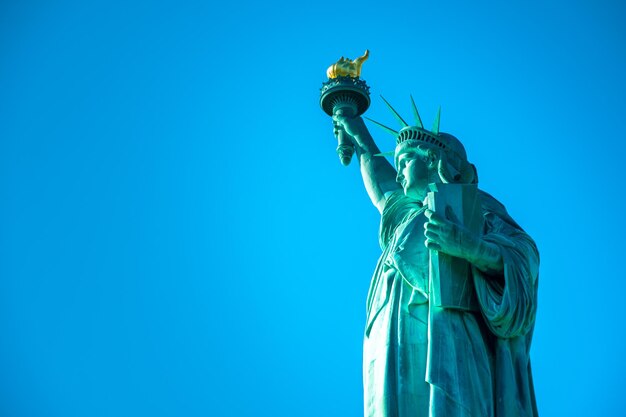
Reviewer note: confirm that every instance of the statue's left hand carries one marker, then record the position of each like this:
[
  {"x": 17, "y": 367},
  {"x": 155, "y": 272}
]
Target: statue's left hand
[{"x": 447, "y": 235}]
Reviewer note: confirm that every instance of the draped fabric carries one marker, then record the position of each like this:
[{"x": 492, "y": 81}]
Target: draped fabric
[{"x": 420, "y": 360}]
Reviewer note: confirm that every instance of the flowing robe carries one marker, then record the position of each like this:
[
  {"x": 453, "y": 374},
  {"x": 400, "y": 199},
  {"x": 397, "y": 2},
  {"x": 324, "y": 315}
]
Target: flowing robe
[{"x": 420, "y": 360}]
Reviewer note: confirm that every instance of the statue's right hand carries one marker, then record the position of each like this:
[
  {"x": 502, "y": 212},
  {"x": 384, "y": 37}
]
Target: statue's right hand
[{"x": 353, "y": 126}]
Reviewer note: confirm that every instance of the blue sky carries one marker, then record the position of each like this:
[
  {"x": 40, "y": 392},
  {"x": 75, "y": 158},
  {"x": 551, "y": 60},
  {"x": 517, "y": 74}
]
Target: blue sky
[{"x": 177, "y": 236}]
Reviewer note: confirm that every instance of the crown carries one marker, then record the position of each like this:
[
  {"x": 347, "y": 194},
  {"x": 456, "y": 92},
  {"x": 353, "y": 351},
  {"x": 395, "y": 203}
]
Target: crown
[{"x": 417, "y": 131}]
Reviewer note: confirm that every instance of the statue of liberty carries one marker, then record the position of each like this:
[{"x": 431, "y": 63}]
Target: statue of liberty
[{"x": 423, "y": 357}]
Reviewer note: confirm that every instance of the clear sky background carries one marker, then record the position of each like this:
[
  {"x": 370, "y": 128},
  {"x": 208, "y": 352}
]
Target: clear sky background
[{"x": 178, "y": 237}]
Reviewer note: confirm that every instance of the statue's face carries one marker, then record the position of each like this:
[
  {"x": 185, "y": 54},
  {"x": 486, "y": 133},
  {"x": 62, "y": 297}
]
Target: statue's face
[{"x": 413, "y": 173}]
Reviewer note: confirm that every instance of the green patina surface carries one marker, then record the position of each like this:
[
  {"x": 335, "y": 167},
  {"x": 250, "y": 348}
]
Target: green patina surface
[{"x": 452, "y": 301}]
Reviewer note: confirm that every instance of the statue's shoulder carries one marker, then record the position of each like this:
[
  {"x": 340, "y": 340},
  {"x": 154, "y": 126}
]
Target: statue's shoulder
[
  {"x": 491, "y": 206},
  {"x": 498, "y": 221},
  {"x": 490, "y": 203}
]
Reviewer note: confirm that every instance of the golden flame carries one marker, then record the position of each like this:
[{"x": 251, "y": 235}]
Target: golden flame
[{"x": 347, "y": 67}]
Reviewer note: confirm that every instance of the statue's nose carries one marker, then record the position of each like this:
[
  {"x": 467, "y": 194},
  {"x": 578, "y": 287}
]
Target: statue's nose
[{"x": 399, "y": 177}]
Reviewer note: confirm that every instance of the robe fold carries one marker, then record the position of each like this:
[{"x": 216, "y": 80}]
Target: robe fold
[{"x": 421, "y": 360}]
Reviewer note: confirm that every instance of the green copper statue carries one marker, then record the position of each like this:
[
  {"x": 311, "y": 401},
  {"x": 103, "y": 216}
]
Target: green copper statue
[{"x": 452, "y": 302}]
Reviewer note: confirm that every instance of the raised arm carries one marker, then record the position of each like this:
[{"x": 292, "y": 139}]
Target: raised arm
[{"x": 379, "y": 176}]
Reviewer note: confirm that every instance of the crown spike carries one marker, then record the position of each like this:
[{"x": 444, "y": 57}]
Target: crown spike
[
  {"x": 395, "y": 113},
  {"x": 418, "y": 119},
  {"x": 436, "y": 124},
  {"x": 388, "y": 129}
]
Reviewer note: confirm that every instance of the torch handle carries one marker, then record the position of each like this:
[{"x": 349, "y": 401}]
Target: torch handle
[{"x": 345, "y": 147}]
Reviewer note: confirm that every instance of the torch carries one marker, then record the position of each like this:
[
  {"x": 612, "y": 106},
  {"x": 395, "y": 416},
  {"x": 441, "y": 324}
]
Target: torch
[{"x": 345, "y": 94}]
